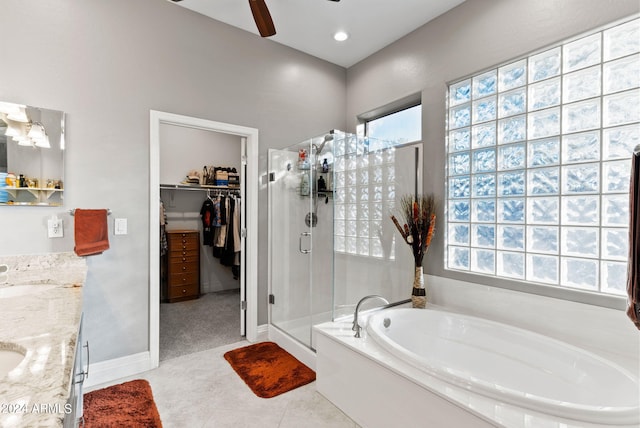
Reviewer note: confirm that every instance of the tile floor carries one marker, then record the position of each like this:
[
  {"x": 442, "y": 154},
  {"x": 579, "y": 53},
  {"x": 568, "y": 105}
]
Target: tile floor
[{"x": 202, "y": 390}]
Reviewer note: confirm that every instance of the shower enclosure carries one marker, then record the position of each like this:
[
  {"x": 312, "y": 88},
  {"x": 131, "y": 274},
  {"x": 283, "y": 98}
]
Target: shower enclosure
[{"x": 331, "y": 240}]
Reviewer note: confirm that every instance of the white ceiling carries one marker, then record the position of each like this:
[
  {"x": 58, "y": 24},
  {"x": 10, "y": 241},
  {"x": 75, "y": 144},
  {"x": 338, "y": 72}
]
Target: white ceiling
[{"x": 309, "y": 25}]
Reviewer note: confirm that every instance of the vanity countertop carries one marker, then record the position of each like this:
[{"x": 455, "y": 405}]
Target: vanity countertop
[{"x": 43, "y": 324}]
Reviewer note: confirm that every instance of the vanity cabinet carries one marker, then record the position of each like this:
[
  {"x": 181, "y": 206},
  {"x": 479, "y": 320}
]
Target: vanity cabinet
[
  {"x": 74, "y": 409},
  {"x": 183, "y": 265}
]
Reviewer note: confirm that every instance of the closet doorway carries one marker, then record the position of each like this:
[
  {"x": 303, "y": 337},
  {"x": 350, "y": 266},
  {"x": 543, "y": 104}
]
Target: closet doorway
[{"x": 179, "y": 144}]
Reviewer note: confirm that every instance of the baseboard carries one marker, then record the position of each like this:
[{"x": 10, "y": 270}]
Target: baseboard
[
  {"x": 117, "y": 368},
  {"x": 262, "y": 333}
]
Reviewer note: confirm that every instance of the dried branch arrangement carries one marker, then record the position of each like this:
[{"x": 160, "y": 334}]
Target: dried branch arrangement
[{"x": 419, "y": 217}]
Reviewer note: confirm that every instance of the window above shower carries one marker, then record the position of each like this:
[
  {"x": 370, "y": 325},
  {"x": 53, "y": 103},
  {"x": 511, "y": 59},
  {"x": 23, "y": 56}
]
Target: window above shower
[
  {"x": 538, "y": 163},
  {"x": 400, "y": 127}
]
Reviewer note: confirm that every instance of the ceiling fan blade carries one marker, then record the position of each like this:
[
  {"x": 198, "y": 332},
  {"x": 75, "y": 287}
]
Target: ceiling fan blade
[{"x": 262, "y": 17}]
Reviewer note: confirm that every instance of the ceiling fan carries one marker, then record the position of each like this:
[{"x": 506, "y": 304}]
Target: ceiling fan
[{"x": 262, "y": 17}]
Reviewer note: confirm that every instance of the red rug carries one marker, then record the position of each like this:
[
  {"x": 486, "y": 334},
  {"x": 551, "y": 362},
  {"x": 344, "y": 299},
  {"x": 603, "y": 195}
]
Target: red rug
[
  {"x": 129, "y": 404},
  {"x": 268, "y": 369}
]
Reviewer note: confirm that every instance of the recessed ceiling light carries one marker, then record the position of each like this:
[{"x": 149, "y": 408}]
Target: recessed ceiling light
[{"x": 340, "y": 36}]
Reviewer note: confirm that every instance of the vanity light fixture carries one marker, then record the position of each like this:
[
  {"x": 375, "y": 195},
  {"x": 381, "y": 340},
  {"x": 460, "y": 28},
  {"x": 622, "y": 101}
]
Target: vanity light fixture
[
  {"x": 9, "y": 108},
  {"x": 13, "y": 129},
  {"x": 38, "y": 135},
  {"x": 23, "y": 140},
  {"x": 43, "y": 142},
  {"x": 340, "y": 36},
  {"x": 36, "y": 131},
  {"x": 19, "y": 116}
]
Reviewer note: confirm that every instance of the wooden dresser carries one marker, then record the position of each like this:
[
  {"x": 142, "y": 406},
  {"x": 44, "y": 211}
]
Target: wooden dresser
[{"x": 183, "y": 265}]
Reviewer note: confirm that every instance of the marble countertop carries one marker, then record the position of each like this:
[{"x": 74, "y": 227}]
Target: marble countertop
[{"x": 42, "y": 324}]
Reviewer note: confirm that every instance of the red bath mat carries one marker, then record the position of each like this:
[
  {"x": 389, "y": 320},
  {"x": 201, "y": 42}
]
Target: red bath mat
[
  {"x": 129, "y": 404},
  {"x": 268, "y": 369}
]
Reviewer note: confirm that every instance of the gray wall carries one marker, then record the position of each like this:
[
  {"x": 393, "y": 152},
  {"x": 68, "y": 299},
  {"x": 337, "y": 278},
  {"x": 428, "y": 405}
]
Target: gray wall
[
  {"x": 476, "y": 35},
  {"x": 106, "y": 63}
]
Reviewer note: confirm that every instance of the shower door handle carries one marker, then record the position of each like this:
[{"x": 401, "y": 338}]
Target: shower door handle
[{"x": 305, "y": 251}]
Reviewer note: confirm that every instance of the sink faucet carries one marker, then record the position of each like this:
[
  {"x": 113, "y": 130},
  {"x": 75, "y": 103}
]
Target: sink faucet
[{"x": 356, "y": 327}]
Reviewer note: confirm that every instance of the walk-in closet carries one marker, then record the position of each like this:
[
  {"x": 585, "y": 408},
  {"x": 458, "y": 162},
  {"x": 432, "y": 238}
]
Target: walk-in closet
[{"x": 200, "y": 240}]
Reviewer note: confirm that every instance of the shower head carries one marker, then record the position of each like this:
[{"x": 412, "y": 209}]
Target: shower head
[{"x": 328, "y": 137}]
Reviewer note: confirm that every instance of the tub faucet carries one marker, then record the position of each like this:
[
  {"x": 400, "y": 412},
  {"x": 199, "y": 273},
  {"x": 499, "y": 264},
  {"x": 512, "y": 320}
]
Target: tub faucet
[{"x": 356, "y": 327}]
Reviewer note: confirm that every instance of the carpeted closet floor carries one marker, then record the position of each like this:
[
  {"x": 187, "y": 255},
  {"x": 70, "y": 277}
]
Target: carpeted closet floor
[{"x": 211, "y": 321}]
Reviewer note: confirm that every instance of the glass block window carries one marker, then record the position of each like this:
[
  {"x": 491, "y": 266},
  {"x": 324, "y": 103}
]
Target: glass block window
[
  {"x": 364, "y": 194},
  {"x": 538, "y": 163}
]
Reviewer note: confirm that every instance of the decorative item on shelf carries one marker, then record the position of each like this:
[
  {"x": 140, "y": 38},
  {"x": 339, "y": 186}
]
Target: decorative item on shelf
[
  {"x": 322, "y": 185},
  {"x": 305, "y": 185},
  {"x": 221, "y": 176},
  {"x": 207, "y": 175},
  {"x": 193, "y": 177},
  {"x": 303, "y": 159},
  {"x": 419, "y": 215},
  {"x": 234, "y": 179}
]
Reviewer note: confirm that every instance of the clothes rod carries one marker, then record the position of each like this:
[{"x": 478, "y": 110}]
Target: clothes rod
[{"x": 73, "y": 212}]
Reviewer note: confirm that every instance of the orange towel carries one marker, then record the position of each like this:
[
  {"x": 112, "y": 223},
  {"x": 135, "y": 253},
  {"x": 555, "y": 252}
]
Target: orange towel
[{"x": 91, "y": 232}]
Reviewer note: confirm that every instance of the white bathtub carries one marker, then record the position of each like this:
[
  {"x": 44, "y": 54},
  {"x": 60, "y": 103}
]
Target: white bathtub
[{"x": 509, "y": 365}]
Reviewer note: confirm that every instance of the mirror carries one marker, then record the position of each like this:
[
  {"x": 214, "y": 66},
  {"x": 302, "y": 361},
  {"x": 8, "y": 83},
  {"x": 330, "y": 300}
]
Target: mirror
[{"x": 31, "y": 155}]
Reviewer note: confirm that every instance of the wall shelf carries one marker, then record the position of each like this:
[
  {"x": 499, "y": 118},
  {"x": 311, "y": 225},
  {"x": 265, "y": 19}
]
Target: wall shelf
[
  {"x": 196, "y": 187},
  {"x": 35, "y": 191}
]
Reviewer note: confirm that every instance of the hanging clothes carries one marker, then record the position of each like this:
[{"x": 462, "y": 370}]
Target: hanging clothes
[
  {"x": 207, "y": 214},
  {"x": 164, "y": 246},
  {"x": 221, "y": 231},
  {"x": 228, "y": 255},
  {"x": 235, "y": 269}
]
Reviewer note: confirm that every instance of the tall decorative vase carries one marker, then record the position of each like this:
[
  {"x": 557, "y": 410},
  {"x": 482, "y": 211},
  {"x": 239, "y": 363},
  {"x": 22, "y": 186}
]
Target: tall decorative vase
[{"x": 419, "y": 293}]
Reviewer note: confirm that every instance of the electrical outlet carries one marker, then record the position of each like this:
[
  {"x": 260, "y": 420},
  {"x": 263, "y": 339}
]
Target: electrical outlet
[
  {"x": 120, "y": 226},
  {"x": 54, "y": 227}
]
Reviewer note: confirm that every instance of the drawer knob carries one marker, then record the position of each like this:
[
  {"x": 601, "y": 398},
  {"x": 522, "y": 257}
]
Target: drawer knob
[
  {"x": 184, "y": 291},
  {"x": 184, "y": 253},
  {"x": 184, "y": 279},
  {"x": 184, "y": 241},
  {"x": 184, "y": 247},
  {"x": 184, "y": 259},
  {"x": 184, "y": 268}
]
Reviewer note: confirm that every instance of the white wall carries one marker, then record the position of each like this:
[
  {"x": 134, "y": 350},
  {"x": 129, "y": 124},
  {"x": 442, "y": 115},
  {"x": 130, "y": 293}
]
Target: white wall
[
  {"x": 471, "y": 37},
  {"x": 107, "y": 63},
  {"x": 183, "y": 149}
]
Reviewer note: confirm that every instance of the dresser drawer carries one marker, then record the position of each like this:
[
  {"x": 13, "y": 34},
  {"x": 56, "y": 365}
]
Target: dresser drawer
[
  {"x": 186, "y": 278},
  {"x": 183, "y": 267},
  {"x": 183, "y": 241},
  {"x": 187, "y": 257},
  {"x": 185, "y": 291},
  {"x": 183, "y": 252}
]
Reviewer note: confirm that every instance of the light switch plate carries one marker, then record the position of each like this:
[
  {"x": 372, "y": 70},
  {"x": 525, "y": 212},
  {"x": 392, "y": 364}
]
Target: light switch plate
[
  {"x": 120, "y": 226},
  {"x": 54, "y": 228}
]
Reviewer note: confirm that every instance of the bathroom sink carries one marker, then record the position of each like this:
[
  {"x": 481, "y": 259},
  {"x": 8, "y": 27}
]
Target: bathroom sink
[
  {"x": 9, "y": 360},
  {"x": 21, "y": 290}
]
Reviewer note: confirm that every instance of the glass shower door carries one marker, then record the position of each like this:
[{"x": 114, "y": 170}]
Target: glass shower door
[{"x": 291, "y": 217}]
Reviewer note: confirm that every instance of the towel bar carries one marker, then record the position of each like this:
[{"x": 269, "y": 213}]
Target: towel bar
[{"x": 73, "y": 212}]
